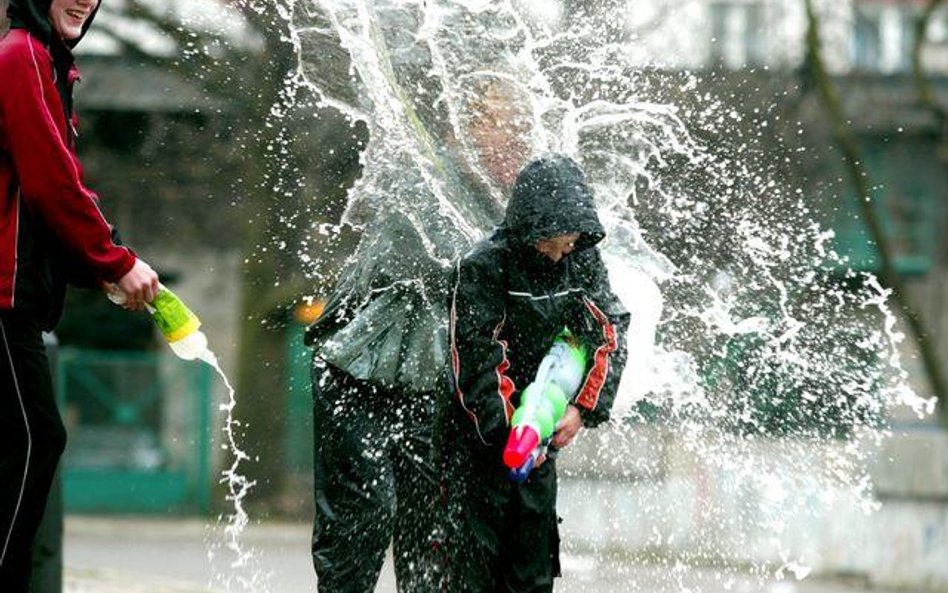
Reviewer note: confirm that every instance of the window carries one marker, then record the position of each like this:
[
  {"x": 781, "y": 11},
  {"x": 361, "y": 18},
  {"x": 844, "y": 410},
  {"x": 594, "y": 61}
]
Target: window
[
  {"x": 737, "y": 34},
  {"x": 883, "y": 34}
]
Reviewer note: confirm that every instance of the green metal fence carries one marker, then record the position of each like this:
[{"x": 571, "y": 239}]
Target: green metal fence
[
  {"x": 298, "y": 435},
  {"x": 139, "y": 432}
]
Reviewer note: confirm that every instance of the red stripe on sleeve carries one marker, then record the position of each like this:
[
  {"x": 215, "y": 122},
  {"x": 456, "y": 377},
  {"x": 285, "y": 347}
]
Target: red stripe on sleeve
[
  {"x": 505, "y": 385},
  {"x": 596, "y": 378}
]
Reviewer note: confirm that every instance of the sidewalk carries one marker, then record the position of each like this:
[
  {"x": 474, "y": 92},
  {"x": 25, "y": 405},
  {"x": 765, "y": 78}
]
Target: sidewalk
[
  {"x": 108, "y": 555},
  {"x": 104, "y": 581}
]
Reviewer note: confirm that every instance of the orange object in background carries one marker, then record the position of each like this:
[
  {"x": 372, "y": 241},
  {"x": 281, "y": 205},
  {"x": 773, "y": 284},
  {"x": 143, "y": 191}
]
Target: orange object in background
[{"x": 309, "y": 310}]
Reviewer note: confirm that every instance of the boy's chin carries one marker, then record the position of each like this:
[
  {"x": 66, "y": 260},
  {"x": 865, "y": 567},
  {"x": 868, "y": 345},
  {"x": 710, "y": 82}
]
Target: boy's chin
[{"x": 544, "y": 261}]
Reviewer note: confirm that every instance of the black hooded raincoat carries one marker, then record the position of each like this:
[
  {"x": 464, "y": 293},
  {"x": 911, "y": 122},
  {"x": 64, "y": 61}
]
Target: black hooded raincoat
[{"x": 509, "y": 303}]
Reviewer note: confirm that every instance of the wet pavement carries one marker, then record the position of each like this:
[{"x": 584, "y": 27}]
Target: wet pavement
[{"x": 112, "y": 555}]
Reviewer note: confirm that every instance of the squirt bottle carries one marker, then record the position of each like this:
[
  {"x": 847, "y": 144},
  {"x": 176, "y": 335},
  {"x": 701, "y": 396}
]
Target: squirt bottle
[{"x": 179, "y": 326}]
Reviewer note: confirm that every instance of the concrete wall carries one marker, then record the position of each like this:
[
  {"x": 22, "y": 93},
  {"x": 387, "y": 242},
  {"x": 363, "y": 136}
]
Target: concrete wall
[{"x": 767, "y": 503}]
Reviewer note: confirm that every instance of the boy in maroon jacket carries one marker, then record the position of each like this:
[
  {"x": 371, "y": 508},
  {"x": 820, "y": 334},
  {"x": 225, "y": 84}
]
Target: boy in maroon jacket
[{"x": 51, "y": 232}]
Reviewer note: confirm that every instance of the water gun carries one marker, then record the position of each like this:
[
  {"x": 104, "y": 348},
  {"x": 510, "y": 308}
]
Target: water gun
[{"x": 543, "y": 403}]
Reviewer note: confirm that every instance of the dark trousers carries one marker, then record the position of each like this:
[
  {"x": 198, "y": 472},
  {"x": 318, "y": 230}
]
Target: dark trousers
[
  {"x": 375, "y": 482},
  {"x": 502, "y": 537},
  {"x": 32, "y": 439}
]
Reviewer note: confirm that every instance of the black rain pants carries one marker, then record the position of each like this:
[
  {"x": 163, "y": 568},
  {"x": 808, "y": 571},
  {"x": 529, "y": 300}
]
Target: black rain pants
[
  {"x": 32, "y": 439},
  {"x": 501, "y": 537},
  {"x": 375, "y": 480}
]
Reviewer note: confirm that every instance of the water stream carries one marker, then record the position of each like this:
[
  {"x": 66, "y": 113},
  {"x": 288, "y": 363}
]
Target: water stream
[{"x": 241, "y": 572}]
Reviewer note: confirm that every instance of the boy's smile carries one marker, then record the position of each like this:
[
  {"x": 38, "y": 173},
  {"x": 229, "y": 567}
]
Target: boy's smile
[{"x": 67, "y": 17}]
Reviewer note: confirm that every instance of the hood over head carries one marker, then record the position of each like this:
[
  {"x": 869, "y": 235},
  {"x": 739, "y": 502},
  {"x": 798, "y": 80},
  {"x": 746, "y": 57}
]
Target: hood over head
[
  {"x": 551, "y": 198},
  {"x": 33, "y": 15}
]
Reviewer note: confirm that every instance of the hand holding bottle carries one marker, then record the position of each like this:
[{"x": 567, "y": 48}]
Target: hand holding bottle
[
  {"x": 178, "y": 325},
  {"x": 138, "y": 286}
]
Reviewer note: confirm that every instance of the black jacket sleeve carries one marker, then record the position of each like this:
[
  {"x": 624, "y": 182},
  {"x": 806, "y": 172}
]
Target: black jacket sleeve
[
  {"x": 478, "y": 356},
  {"x": 603, "y": 323}
]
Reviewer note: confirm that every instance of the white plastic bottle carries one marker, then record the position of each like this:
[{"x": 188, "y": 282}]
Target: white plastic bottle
[{"x": 178, "y": 325}]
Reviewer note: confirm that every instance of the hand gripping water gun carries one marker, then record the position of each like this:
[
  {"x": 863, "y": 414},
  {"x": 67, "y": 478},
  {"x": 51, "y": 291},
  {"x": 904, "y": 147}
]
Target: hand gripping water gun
[{"x": 543, "y": 403}]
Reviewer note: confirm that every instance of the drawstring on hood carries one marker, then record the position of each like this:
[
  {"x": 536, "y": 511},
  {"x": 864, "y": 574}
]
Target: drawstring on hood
[{"x": 550, "y": 198}]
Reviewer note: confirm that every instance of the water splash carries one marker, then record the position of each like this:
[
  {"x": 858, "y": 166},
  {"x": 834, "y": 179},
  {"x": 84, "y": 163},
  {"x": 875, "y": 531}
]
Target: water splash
[
  {"x": 762, "y": 368},
  {"x": 242, "y": 572}
]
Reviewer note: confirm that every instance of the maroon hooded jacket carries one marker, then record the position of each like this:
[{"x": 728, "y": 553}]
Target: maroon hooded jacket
[{"x": 51, "y": 228}]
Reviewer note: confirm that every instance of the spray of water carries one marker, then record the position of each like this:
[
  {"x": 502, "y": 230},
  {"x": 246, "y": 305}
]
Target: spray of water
[
  {"x": 760, "y": 367},
  {"x": 242, "y": 572}
]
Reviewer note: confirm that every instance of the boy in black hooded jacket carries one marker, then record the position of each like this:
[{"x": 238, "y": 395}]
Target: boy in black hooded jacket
[{"x": 539, "y": 273}]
